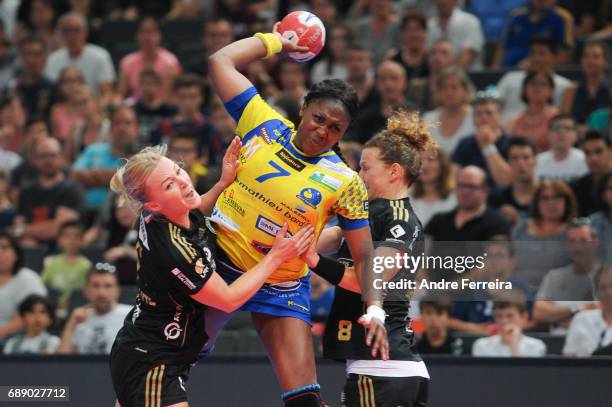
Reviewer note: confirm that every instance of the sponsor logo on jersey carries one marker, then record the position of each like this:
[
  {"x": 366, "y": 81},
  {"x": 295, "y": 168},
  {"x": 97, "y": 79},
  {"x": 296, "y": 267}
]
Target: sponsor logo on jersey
[
  {"x": 146, "y": 299},
  {"x": 290, "y": 160},
  {"x": 366, "y": 206},
  {"x": 219, "y": 218},
  {"x": 310, "y": 197},
  {"x": 326, "y": 181},
  {"x": 268, "y": 226},
  {"x": 397, "y": 231},
  {"x": 183, "y": 278},
  {"x": 249, "y": 149},
  {"x": 228, "y": 199},
  {"x": 337, "y": 168},
  {"x": 142, "y": 233},
  {"x": 261, "y": 247},
  {"x": 201, "y": 268},
  {"x": 172, "y": 331},
  {"x": 264, "y": 135},
  {"x": 300, "y": 306}
]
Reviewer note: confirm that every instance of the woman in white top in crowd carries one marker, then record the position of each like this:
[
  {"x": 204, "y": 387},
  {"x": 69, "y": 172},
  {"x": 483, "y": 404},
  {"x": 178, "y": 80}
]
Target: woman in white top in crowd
[
  {"x": 333, "y": 66},
  {"x": 454, "y": 116}
]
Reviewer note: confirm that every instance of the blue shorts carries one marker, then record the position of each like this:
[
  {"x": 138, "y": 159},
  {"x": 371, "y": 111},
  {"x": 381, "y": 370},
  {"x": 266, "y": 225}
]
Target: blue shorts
[{"x": 287, "y": 299}]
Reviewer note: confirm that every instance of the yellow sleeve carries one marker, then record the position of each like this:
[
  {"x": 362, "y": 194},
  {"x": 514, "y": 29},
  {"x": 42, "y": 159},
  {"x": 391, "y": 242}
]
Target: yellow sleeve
[{"x": 352, "y": 206}]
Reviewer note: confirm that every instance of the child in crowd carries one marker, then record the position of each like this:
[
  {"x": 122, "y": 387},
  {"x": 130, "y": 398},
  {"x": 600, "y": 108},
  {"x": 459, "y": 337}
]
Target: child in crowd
[
  {"x": 437, "y": 339},
  {"x": 37, "y": 315}
]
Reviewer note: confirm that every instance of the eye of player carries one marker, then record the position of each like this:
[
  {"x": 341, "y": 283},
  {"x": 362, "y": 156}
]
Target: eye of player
[{"x": 170, "y": 183}]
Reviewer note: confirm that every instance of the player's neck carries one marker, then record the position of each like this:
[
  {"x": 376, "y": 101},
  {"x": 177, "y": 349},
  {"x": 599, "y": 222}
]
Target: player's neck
[{"x": 393, "y": 194}]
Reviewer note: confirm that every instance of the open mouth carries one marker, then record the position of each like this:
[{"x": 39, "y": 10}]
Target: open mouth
[{"x": 190, "y": 194}]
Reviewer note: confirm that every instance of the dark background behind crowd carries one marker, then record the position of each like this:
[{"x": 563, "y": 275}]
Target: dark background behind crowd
[{"x": 518, "y": 93}]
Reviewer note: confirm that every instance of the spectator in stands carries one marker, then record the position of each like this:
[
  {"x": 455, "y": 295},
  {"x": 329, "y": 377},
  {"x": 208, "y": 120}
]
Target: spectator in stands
[
  {"x": 471, "y": 220},
  {"x": 25, "y": 173},
  {"x": 333, "y": 65},
  {"x": 217, "y": 34},
  {"x": 222, "y": 121},
  {"x": 454, "y": 91},
  {"x": 48, "y": 203},
  {"x": 391, "y": 84},
  {"x": 149, "y": 54},
  {"x": 7, "y": 62},
  {"x": 541, "y": 236},
  {"x": 39, "y": 17},
  {"x": 36, "y": 312},
  {"x": 292, "y": 78},
  {"x": 600, "y": 119},
  {"x": 7, "y": 207},
  {"x": 437, "y": 338},
  {"x": 462, "y": 29},
  {"x": 13, "y": 121},
  {"x": 113, "y": 227},
  {"x": 592, "y": 92},
  {"x": 321, "y": 299},
  {"x": 326, "y": 10},
  {"x": 473, "y": 312},
  {"x": 67, "y": 270},
  {"x": 97, "y": 163},
  {"x": 378, "y": 31},
  {"x": 422, "y": 92},
  {"x": 563, "y": 160},
  {"x": 487, "y": 148},
  {"x": 510, "y": 318},
  {"x": 91, "y": 329},
  {"x": 183, "y": 148},
  {"x": 93, "y": 61},
  {"x": 597, "y": 149},
  {"x": 588, "y": 15},
  {"x": 93, "y": 126},
  {"x": 188, "y": 96},
  {"x": 566, "y": 290},
  {"x": 602, "y": 219},
  {"x": 150, "y": 108},
  {"x": 33, "y": 88},
  {"x": 493, "y": 15},
  {"x": 66, "y": 113},
  {"x": 514, "y": 200},
  {"x": 433, "y": 191},
  {"x": 412, "y": 52},
  {"x": 533, "y": 122},
  {"x": 543, "y": 18},
  {"x": 590, "y": 330},
  {"x": 9, "y": 160},
  {"x": 16, "y": 283},
  {"x": 359, "y": 66},
  {"x": 542, "y": 53}
]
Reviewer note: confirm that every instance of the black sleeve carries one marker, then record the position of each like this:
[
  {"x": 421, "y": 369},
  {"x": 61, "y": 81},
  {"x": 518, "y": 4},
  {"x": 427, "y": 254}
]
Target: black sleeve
[
  {"x": 460, "y": 154},
  {"x": 73, "y": 197},
  {"x": 186, "y": 267},
  {"x": 398, "y": 228}
]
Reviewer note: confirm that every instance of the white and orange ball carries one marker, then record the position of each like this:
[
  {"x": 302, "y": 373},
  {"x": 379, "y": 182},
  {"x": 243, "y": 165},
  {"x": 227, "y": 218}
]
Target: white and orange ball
[{"x": 305, "y": 29}]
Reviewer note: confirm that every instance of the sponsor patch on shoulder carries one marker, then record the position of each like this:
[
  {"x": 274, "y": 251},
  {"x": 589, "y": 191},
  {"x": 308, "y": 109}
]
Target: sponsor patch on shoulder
[
  {"x": 183, "y": 278},
  {"x": 337, "y": 168},
  {"x": 397, "y": 231},
  {"x": 326, "y": 181}
]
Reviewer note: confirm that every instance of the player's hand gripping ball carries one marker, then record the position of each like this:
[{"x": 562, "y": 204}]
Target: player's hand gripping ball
[{"x": 304, "y": 29}]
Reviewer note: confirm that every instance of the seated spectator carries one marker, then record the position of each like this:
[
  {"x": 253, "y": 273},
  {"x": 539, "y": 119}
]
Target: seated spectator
[
  {"x": 493, "y": 15},
  {"x": 563, "y": 160},
  {"x": 97, "y": 163},
  {"x": 541, "y": 17},
  {"x": 292, "y": 79},
  {"x": 217, "y": 34},
  {"x": 25, "y": 173},
  {"x": 462, "y": 29},
  {"x": 602, "y": 219},
  {"x": 533, "y": 122},
  {"x": 514, "y": 201},
  {"x": 149, "y": 54},
  {"x": 437, "y": 338},
  {"x": 188, "y": 96},
  {"x": 454, "y": 118},
  {"x": 433, "y": 191},
  {"x": 540, "y": 238},
  {"x": 333, "y": 65},
  {"x": 93, "y": 126},
  {"x": 150, "y": 108},
  {"x": 66, "y": 113},
  {"x": 16, "y": 283},
  {"x": 592, "y": 92},
  {"x": 590, "y": 330},
  {"x": 412, "y": 52},
  {"x": 359, "y": 67},
  {"x": 40, "y": 17},
  {"x": 52, "y": 200},
  {"x": 9, "y": 160},
  {"x": 12, "y": 121},
  {"x": 36, "y": 312},
  {"x": 391, "y": 85},
  {"x": 7, "y": 208},
  {"x": 321, "y": 299},
  {"x": 183, "y": 148},
  {"x": 378, "y": 31},
  {"x": 487, "y": 148},
  {"x": 542, "y": 52},
  {"x": 474, "y": 310},
  {"x": 588, "y": 15},
  {"x": 33, "y": 88},
  {"x": 510, "y": 318},
  {"x": 597, "y": 149},
  {"x": 567, "y": 290},
  {"x": 91, "y": 329},
  {"x": 600, "y": 119},
  {"x": 66, "y": 271},
  {"x": 93, "y": 61}
]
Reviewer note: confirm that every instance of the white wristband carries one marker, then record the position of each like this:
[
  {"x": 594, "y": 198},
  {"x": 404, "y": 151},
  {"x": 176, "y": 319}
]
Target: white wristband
[
  {"x": 488, "y": 150},
  {"x": 374, "y": 311}
]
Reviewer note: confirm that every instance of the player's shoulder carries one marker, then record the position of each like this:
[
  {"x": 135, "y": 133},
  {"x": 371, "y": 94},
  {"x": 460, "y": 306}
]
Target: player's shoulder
[{"x": 332, "y": 164}]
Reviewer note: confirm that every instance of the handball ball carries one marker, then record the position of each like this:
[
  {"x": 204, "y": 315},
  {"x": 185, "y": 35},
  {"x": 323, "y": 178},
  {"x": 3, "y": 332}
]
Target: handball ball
[{"x": 304, "y": 29}]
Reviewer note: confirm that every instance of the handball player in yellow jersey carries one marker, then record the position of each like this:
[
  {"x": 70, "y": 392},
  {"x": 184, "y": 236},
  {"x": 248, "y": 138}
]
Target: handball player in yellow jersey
[{"x": 285, "y": 175}]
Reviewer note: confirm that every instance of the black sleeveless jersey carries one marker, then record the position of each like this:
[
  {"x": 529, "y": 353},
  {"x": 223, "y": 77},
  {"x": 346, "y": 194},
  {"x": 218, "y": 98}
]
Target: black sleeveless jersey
[
  {"x": 393, "y": 224},
  {"x": 166, "y": 325}
]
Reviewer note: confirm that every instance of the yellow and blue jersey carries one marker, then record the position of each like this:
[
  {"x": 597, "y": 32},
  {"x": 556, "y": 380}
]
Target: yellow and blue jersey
[{"x": 277, "y": 183}]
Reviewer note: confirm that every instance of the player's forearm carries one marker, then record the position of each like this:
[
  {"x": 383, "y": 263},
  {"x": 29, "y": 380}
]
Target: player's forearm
[
  {"x": 500, "y": 170},
  {"x": 65, "y": 345},
  {"x": 210, "y": 198},
  {"x": 11, "y": 327},
  {"x": 236, "y": 54},
  {"x": 548, "y": 312}
]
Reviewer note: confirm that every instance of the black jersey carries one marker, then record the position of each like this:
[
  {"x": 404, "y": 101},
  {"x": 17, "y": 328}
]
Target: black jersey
[
  {"x": 393, "y": 224},
  {"x": 166, "y": 324}
]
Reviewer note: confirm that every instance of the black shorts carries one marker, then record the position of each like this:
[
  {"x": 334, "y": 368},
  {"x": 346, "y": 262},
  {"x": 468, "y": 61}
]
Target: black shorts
[
  {"x": 378, "y": 391},
  {"x": 144, "y": 384}
]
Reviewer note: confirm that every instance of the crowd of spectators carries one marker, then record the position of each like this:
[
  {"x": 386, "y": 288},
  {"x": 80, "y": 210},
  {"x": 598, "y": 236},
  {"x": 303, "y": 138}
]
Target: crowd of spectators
[{"x": 518, "y": 93}]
